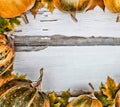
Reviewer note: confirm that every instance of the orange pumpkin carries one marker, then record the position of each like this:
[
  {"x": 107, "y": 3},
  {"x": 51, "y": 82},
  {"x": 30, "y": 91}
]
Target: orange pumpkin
[
  {"x": 113, "y": 5},
  {"x": 7, "y": 53},
  {"x": 85, "y": 101},
  {"x": 13, "y": 8},
  {"x": 117, "y": 99},
  {"x": 73, "y": 6}
]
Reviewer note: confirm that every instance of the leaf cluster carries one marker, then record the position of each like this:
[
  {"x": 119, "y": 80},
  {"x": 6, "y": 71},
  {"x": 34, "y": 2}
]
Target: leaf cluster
[
  {"x": 7, "y": 25},
  {"x": 107, "y": 92},
  {"x": 61, "y": 101}
]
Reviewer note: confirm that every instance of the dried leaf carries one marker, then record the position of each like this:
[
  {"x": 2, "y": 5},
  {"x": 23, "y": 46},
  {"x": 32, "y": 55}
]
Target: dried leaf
[
  {"x": 50, "y": 4},
  {"x": 104, "y": 100},
  {"x": 7, "y": 25},
  {"x": 53, "y": 98},
  {"x": 107, "y": 92},
  {"x": 110, "y": 88},
  {"x": 56, "y": 101},
  {"x": 95, "y": 3},
  {"x": 38, "y": 5},
  {"x": 18, "y": 76},
  {"x": 57, "y": 105},
  {"x": 9, "y": 75},
  {"x": 64, "y": 98}
]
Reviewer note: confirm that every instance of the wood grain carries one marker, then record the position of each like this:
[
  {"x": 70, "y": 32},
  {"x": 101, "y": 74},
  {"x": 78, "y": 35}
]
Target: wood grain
[{"x": 36, "y": 43}]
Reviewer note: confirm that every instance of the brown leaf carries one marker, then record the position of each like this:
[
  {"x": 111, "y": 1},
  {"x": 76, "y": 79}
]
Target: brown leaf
[
  {"x": 95, "y": 3},
  {"x": 50, "y": 4},
  {"x": 110, "y": 88},
  {"x": 7, "y": 76},
  {"x": 38, "y": 5}
]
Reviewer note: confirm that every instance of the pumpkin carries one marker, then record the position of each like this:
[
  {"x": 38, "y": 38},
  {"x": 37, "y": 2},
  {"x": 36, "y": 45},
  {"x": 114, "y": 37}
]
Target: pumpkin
[
  {"x": 113, "y": 6},
  {"x": 85, "y": 101},
  {"x": 117, "y": 99},
  {"x": 7, "y": 53},
  {"x": 73, "y": 6},
  {"x": 13, "y": 8},
  {"x": 22, "y": 93}
]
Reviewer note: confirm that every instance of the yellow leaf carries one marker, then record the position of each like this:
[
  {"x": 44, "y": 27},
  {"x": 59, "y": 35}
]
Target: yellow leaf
[
  {"x": 61, "y": 101},
  {"x": 50, "y": 4},
  {"x": 110, "y": 88},
  {"x": 38, "y": 5}
]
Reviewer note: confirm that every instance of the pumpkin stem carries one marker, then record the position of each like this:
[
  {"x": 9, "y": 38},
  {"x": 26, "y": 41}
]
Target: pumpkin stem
[
  {"x": 93, "y": 90},
  {"x": 118, "y": 18},
  {"x": 73, "y": 14},
  {"x": 91, "y": 86},
  {"x": 38, "y": 83},
  {"x": 24, "y": 17}
]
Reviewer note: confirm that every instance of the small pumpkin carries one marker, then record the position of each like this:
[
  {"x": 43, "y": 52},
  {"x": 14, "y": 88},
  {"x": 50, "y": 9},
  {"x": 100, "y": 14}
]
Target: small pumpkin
[
  {"x": 113, "y": 6},
  {"x": 22, "y": 93},
  {"x": 13, "y": 8},
  {"x": 85, "y": 101},
  {"x": 73, "y": 6},
  {"x": 117, "y": 99},
  {"x": 7, "y": 53}
]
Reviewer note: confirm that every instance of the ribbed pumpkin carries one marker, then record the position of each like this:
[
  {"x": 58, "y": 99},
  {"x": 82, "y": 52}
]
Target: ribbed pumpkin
[
  {"x": 113, "y": 5},
  {"x": 85, "y": 101},
  {"x": 22, "y": 93},
  {"x": 73, "y": 6},
  {"x": 7, "y": 53},
  {"x": 117, "y": 99},
  {"x": 13, "y": 8}
]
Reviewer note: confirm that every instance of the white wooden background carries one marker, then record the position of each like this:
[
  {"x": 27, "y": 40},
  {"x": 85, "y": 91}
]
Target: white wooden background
[{"x": 71, "y": 66}]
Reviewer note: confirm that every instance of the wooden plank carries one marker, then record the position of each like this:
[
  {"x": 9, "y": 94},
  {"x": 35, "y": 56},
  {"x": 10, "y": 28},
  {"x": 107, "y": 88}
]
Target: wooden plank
[
  {"x": 36, "y": 43},
  {"x": 92, "y": 23},
  {"x": 71, "y": 66}
]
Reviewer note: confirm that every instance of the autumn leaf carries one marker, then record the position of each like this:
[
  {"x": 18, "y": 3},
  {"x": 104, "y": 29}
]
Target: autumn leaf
[
  {"x": 38, "y": 5},
  {"x": 104, "y": 100},
  {"x": 9, "y": 75},
  {"x": 53, "y": 98},
  {"x": 50, "y": 4},
  {"x": 56, "y": 101},
  {"x": 95, "y": 3},
  {"x": 110, "y": 88},
  {"x": 64, "y": 98},
  {"x": 107, "y": 92},
  {"x": 7, "y": 25}
]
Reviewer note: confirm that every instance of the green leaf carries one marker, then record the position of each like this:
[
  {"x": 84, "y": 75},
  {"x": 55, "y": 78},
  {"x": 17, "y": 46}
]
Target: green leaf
[
  {"x": 104, "y": 100},
  {"x": 7, "y": 25},
  {"x": 107, "y": 92},
  {"x": 56, "y": 101},
  {"x": 64, "y": 98},
  {"x": 110, "y": 88}
]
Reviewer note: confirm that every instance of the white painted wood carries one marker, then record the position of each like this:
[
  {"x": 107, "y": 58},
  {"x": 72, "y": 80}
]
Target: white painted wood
[
  {"x": 91, "y": 23},
  {"x": 71, "y": 67}
]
